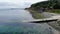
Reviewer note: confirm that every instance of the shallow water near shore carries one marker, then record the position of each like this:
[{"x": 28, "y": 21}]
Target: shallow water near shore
[{"x": 11, "y": 22}]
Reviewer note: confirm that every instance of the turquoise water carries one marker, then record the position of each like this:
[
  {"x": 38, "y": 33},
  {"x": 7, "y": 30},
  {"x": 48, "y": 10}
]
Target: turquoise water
[{"x": 11, "y": 23}]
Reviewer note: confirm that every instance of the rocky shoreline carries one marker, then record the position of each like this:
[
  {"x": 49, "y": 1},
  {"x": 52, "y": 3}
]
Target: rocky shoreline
[{"x": 52, "y": 24}]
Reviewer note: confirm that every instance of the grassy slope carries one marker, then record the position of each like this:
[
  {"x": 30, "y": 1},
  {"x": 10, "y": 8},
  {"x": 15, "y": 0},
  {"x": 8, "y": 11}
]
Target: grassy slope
[
  {"x": 36, "y": 15},
  {"x": 54, "y": 11}
]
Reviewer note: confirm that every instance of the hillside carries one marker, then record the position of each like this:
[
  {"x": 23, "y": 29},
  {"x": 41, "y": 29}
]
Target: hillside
[{"x": 54, "y": 4}]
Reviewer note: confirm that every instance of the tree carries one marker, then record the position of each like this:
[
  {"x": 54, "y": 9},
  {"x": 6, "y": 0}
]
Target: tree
[{"x": 54, "y": 4}]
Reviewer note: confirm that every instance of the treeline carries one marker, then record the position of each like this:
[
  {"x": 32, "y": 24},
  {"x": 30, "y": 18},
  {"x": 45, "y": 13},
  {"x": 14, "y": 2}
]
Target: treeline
[{"x": 50, "y": 4}]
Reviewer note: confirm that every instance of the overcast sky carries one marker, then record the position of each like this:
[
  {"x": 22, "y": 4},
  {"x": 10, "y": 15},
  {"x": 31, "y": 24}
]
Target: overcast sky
[{"x": 22, "y": 2}]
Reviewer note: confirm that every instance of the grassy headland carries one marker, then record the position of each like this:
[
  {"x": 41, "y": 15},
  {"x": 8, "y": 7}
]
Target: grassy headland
[{"x": 52, "y": 6}]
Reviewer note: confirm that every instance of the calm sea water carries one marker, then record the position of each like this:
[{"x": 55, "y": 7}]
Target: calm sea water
[{"x": 11, "y": 23}]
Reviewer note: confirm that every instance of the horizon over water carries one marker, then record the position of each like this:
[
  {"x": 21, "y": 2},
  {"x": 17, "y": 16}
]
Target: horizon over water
[{"x": 10, "y": 21}]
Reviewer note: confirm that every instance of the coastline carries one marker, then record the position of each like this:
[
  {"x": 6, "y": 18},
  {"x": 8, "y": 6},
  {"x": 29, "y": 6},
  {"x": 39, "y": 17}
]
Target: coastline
[
  {"x": 54, "y": 26},
  {"x": 35, "y": 14}
]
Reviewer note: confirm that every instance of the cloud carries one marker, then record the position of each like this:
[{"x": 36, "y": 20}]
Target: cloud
[{"x": 22, "y": 3}]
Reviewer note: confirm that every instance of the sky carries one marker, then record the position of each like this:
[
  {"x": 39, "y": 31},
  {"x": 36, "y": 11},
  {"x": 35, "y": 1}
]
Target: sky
[{"x": 22, "y": 2}]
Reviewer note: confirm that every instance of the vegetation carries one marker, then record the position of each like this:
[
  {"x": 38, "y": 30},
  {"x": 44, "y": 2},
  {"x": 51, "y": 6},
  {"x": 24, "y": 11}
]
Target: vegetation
[
  {"x": 57, "y": 11},
  {"x": 54, "y": 4},
  {"x": 36, "y": 15},
  {"x": 49, "y": 6}
]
